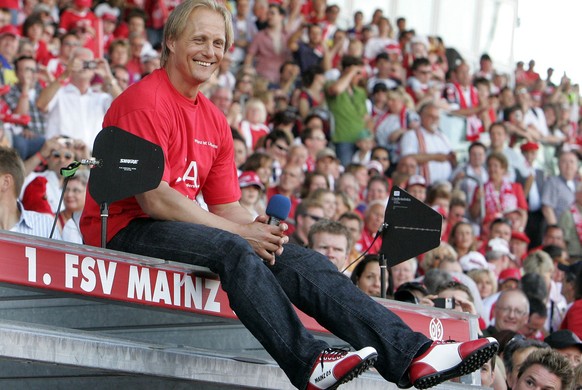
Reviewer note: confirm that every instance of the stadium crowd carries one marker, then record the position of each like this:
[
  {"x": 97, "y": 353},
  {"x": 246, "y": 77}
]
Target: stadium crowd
[{"x": 333, "y": 118}]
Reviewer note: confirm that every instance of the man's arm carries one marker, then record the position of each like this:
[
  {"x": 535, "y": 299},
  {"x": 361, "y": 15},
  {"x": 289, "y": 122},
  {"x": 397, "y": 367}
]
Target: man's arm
[
  {"x": 344, "y": 81},
  {"x": 549, "y": 215},
  {"x": 165, "y": 203}
]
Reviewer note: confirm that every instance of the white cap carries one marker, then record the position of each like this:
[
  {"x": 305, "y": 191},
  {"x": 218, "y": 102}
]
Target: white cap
[{"x": 473, "y": 260}]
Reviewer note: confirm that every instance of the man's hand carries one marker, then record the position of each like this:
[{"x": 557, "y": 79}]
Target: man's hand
[{"x": 266, "y": 240}]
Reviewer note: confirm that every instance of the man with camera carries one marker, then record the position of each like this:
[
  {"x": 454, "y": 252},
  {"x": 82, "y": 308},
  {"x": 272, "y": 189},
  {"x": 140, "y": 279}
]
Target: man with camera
[{"x": 75, "y": 109}]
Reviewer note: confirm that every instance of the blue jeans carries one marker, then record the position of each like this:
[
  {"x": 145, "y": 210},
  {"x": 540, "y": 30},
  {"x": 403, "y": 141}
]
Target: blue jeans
[
  {"x": 262, "y": 296},
  {"x": 345, "y": 151},
  {"x": 27, "y": 147}
]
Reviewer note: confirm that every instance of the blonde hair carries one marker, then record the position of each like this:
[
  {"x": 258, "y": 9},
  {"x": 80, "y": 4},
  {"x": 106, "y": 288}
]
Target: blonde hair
[{"x": 179, "y": 19}]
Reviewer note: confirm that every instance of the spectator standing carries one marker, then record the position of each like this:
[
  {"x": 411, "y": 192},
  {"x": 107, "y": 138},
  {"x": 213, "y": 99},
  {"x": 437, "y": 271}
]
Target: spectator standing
[
  {"x": 75, "y": 110},
  {"x": 347, "y": 103},
  {"x": 268, "y": 50},
  {"x": 571, "y": 224},
  {"x": 558, "y": 194},
  {"x": 9, "y": 38},
  {"x": 429, "y": 146},
  {"x": 22, "y": 101}
]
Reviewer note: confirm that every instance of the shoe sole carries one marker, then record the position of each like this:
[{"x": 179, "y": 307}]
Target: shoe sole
[
  {"x": 471, "y": 363},
  {"x": 360, "y": 368}
]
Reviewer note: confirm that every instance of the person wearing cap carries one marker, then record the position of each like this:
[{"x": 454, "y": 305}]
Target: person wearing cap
[
  {"x": 567, "y": 344},
  {"x": 498, "y": 255},
  {"x": 327, "y": 163},
  {"x": 571, "y": 224},
  {"x": 251, "y": 189},
  {"x": 9, "y": 37},
  {"x": 416, "y": 186},
  {"x": 518, "y": 245},
  {"x": 509, "y": 279}
]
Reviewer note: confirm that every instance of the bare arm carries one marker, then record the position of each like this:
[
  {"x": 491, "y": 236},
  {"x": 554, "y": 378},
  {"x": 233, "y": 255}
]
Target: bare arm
[
  {"x": 344, "y": 81},
  {"x": 165, "y": 203},
  {"x": 549, "y": 214}
]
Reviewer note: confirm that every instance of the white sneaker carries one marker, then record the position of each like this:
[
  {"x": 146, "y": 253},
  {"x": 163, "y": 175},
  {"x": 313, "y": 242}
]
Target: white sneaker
[{"x": 336, "y": 366}]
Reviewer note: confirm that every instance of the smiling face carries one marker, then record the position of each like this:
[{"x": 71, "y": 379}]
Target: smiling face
[{"x": 196, "y": 53}]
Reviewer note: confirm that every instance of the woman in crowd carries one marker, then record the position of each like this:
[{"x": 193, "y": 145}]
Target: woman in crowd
[
  {"x": 74, "y": 202},
  {"x": 485, "y": 280},
  {"x": 366, "y": 275},
  {"x": 311, "y": 95},
  {"x": 462, "y": 238},
  {"x": 327, "y": 199},
  {"x": 501, "y": 196}
]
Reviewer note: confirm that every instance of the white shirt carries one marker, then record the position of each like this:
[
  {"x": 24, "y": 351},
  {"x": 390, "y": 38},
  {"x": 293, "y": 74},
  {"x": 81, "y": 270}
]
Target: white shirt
[
  {"x": 435, "y": 143},
  {"x": 35, "y": 224},
  {"x": 535, "y": 116},
  {"x": 79, "y": 116}
]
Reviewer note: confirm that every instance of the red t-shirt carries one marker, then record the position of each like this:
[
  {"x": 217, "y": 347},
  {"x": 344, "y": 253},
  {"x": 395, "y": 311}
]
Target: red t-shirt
[{"x": 197, "y": 144}]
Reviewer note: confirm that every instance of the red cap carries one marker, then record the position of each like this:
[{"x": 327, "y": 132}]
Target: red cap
[
  {"x": 109, "y": 17},
  {"x": 250, "y": 178},
  {"x": 83, "y": 3},
  {"x": 521, "y": 236},
  {"x": 509, "y": 274},
  {"x": 9, "y": 29},
  {"x": 529, "y": 146}
]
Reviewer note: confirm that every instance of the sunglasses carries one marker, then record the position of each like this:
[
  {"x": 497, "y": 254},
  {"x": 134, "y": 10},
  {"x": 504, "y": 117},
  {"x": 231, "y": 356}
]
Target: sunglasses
[{"x": 66, "y": 155}]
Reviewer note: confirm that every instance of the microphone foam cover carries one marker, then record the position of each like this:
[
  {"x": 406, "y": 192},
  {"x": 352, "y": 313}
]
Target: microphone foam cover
[{"x": 279, "y": 207}]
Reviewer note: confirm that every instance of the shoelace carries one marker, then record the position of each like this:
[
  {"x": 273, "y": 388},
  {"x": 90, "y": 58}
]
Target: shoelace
[{"x": 340, "y": 352}]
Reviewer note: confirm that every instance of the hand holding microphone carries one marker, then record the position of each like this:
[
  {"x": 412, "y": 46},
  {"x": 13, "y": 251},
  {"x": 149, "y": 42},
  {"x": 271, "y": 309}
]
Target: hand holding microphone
[{"x": 277, "y": 210}]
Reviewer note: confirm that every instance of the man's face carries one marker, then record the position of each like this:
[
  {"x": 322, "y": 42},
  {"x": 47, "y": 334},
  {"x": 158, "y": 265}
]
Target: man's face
[
  {"x": 498, "y": 136},
  {"x": 517, "y": 360},
  {"x": 538, "y": 377},
  {"x": 274, "y": 18},
  {"x": 382, "y": 157},
  {"x": 430, "y": 119},
  {"x": 197, "y": 52},
  {"x": 487, "y": 375},
  {"x": 353, "y": 227},
  {"x": 407, "y": 165},
  {"x": 535, "y": 323},
  {"x": 573, "y": 354},
  {"x": 312, "y": 215},
  {"x": 26, "y": 70},
  {"x": 418, "y": 191},
  {"x": 568, "y": 165},
  {"x": 315, "y": 35},
  {"x": 291, "y": 178},
  {"x": 511, "y": 312},
  {"x": 463, "y": 75},
  {"x": 334, "y": 246},
  {"x": 477, "y": 156},
  {"x": 402, "y": 273},
  {"x": 501, "y": 230},
  {"x": 374, "y": 218},
  {"x": 8, "y": 45},
  {"x": 422, "y": 73},
  {"x": 554, "y": 237},
  {"x": 376, "y": 191}
]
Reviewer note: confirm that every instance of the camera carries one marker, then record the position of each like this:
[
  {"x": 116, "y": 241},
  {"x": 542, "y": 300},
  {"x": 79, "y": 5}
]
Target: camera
[
  {"x": 89, "y": 65},
  {"x": 444, "y": 303}
]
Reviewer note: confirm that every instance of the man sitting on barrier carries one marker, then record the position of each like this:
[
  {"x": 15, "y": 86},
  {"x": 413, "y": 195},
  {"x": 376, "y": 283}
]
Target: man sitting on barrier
[{"x": 166, "y": 109}]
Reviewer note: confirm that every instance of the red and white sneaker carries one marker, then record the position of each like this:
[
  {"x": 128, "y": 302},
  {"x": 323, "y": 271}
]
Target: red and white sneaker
[
  {"x": 445, "y": 360},
  {"x": 336, "y": 366}
]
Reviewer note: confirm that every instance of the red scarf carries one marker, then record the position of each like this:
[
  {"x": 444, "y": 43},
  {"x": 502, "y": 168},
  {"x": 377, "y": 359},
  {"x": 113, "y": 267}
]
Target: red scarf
[
  {"x": 474, "y": 124},
  {"x": 497, "y": 203}
]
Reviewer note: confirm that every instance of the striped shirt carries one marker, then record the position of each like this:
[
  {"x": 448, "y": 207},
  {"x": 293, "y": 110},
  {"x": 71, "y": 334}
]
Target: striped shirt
[{"x": 35, "y": 224}]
